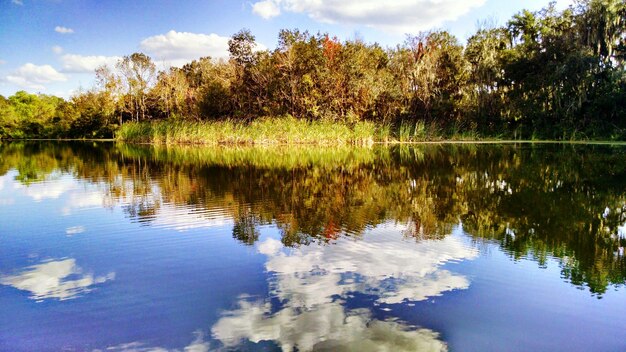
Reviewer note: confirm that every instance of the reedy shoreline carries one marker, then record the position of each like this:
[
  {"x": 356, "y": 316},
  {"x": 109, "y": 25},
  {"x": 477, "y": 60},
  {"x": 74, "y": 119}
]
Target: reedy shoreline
[{"x": 285, "y": 130}]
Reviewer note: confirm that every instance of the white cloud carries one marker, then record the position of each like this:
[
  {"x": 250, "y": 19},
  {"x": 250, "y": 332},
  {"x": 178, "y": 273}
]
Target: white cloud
[
  {"x": 329, "y": 328},
  {"x": 400, "y": 16},
  {"x": 90, "y": 199},
  {"x": 34, "y": 76},
  {"x": 185, "y": 46},
  {"x": 63, "y": 30},
  {"x": 50, "y": 189},
  {"x": 132, "y": 347},
  {"x": 57, "y": 49},
  {"x": 183, "y": 219},
  {"x": 50, "y": 280},
  {"x": 66, "y": 94},
  {"x": 266, "y": 9},
  {"x": 394, "y": 269},
  {"x": 312, "y": 282},
  {"x": 270, "y": 247},
  {"x": 81, "y": 199},
  {"x": 86, "y": 64},
  {"x": 74, "y": 230},
  {"x": 2, "y": 62},
  {"x": 5, "y": 201},
  {"x": 17, "y": 2}
]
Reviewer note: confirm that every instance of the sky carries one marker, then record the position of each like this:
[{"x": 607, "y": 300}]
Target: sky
[{"x": 53, "y": 46}]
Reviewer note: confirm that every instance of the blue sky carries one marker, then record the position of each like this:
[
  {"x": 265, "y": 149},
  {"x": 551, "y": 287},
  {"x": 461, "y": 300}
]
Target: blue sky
[{"x": 53, "y": 46}]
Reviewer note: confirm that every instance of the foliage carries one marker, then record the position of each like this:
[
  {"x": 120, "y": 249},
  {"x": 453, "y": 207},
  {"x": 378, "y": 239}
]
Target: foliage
[
  {"x": 545, "y": 74},
  {"x": 284, "y": 130}
]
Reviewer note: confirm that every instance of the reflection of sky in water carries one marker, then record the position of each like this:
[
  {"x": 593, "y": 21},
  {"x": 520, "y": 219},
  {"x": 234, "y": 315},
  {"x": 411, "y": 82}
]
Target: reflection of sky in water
[
  {"x": 181, "y": 219},
  {"x": 5, "y": 200},
  {"x": 74, "y": 197},
  {"x": 68, "y": 194},
  {"x": 197, "y": 345},
  {"x": 81, "y": 199},
  {"x": 330, "y": 327},
  {"x": 311, "y": 283},
  {"x": 74, "y": 230},
  {"x": 60, "y": 279},
  {"x": 177, "y": 270},
  {"x": 52, "y": 189}
]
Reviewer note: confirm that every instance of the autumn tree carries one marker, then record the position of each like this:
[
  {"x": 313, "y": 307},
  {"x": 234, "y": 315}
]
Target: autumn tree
[{"x": 138, "y": 73}]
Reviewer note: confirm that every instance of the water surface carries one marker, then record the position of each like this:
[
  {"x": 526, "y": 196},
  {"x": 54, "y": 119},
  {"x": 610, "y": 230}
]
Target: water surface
[{"x": 443, "y": 247}]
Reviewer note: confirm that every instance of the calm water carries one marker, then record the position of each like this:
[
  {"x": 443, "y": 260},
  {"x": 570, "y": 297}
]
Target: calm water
[{"x": 108, "y": 247}]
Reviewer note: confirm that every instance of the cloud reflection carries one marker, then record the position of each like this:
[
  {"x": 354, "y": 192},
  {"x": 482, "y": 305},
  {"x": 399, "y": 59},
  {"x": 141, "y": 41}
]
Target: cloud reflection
[
  {"x": 384, "y": 265},
  {"x": 184, "y": 219},
  {"x": 74, "y": 230},
  {"x": 61, "y": 279},
  {"x": 198, "y": 345},
  {"x": 82, "y": 199},
  {"x": 50, "y": 189},
  {"x": 329, "y": 327},
  {"x": 313, "y": 282}
]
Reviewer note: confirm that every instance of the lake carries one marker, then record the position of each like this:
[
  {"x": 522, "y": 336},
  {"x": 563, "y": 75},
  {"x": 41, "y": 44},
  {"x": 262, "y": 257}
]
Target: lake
[{"x": 477, "y": 247}]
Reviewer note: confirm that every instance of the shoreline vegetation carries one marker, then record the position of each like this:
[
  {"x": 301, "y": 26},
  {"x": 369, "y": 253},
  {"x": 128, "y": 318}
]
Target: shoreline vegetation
[
  {"x": 291, "y": 131},
  {"x": 543, "y": 75},
  {"x": 283, "y": 130}
]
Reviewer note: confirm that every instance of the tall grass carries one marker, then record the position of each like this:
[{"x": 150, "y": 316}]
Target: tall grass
[
  {"x": 421, "y": 131},
  {"x": 290, "y": 130},
  {"x": 283, "y": 130}
]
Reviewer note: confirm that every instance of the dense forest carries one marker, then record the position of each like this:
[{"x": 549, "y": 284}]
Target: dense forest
[{"x": 545, "y": 74}]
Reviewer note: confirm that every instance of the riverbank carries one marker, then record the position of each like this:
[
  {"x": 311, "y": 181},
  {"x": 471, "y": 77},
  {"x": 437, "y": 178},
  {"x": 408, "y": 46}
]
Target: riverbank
[
  {"x": 285, "y": 130},
  {"x": 288, "y": 130}
]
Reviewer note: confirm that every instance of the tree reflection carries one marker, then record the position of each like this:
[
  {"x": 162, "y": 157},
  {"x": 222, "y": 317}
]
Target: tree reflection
[{"x": 550, "y": 201}]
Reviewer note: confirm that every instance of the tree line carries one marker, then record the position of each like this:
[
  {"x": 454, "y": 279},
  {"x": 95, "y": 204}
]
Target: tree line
[{"x": 545, "y": 74}]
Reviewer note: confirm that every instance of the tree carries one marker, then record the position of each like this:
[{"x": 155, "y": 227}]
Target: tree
[
  {"x": 299, "y": 62},
  {"x": 110, "y": 87},
  {"x": 603, "y": 27},
  {"x": 138, "y": 74},
  {"x": 241, "y": 48},
  {"x": 484, "y": 51},
  {"x": 432, "y": 71}
]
